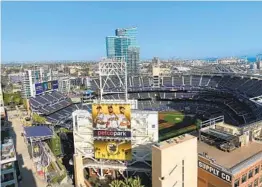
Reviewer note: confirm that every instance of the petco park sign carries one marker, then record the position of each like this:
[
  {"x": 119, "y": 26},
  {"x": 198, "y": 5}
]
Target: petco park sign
[
  {"x": 112, "y": 134},
  {"x": 215, "y": 171}
]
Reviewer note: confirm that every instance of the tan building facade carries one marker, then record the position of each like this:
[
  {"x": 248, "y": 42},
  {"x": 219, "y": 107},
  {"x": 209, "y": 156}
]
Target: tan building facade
[
  {"x": 240, "y": 168},
  {"x": 174, "y": 162},
  {"x": 210, "y": 175}
]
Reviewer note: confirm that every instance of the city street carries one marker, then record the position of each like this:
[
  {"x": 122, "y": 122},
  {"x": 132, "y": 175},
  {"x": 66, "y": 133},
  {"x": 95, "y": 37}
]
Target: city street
[{"x": 28, "y": 172}]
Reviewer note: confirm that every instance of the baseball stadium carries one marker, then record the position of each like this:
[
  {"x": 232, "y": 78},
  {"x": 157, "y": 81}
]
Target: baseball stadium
[{"x": 162, "y": 107}]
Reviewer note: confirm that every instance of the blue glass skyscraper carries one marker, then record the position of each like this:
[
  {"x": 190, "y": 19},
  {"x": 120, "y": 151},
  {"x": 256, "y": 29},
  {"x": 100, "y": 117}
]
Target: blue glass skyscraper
[
  {"x": 130, "y": 33},
  {"x": 117, "y": 46},
  {"x": 124, "y": 44}
]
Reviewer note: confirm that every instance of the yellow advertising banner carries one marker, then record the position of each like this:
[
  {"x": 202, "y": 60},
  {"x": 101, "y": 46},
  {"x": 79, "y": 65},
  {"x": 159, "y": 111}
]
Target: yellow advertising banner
[
  {"x": 111, "y": 116},
  {"x": 113, "y": 150}
]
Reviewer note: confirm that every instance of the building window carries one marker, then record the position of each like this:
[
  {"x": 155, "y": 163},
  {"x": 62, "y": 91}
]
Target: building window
[
  {"x": 7, "y": 177},
  {"x": 250, "y": 174},
  {"x": 153, "y": 126},
  {"x": 244, "y": 178},
  {"x": 11, "y": 185},
  {"x": 256, "y": 183},
  {"x": 236, "y": 184},
  {"x": 257, "y": 170}
]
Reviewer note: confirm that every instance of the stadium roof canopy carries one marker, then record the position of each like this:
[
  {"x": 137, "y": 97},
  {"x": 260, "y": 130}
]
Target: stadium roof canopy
[{"x": 38, "y": 133}]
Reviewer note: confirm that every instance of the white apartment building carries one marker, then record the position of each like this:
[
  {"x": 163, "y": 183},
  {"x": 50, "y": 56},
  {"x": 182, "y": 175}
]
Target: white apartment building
[{"x": 31, "y": 77}]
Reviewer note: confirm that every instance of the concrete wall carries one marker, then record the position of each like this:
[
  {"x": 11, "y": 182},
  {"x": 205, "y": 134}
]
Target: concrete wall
[
  {"x": 167, "y": 169},
  {"x": 79, "y": 171}
]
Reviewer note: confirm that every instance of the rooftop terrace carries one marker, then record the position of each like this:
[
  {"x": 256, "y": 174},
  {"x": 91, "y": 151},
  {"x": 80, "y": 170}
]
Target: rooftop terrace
[
  {"x": 174, "y": 141},
  {"x": 230, "y": 160}
]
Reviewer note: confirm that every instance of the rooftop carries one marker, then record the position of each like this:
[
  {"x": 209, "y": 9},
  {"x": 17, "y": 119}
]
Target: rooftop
[
  {"x": 38, "y": 132},
  {"x": 174, "y": 141},
  {"x": 233, "y": 158}
]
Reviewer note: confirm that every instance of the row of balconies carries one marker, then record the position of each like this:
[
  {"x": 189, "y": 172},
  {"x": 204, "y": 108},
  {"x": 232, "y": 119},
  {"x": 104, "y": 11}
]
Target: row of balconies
[{"x": 7, "y": 151}]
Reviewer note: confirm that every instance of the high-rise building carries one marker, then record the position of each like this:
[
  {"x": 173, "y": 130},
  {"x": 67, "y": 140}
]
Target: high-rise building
[
  {"x": 124, "y": 44},
  {"x": 130, "y": 33},
  {"x": 110, "y": 46},
  {"x": 1, "y": 96},
  {"x": 133, "y": 59},
  {"x": 9, "y": 167},
  {"x": 30, "y": 77},
  {"x": 259, "y": 61},
  {"x": 117, "y": 46}
]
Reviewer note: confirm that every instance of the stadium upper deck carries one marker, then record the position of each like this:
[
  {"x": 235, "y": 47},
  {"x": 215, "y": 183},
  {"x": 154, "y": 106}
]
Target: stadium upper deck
[
  {"x": 207, "y": 95},
  {"x": 247, "y": 86}
]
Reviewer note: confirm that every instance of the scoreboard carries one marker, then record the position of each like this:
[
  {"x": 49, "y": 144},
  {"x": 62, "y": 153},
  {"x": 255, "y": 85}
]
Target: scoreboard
[{"x": 46, "y": 86}]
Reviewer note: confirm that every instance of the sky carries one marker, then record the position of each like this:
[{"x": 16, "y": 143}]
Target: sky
[{"x": 38, "y": 31}]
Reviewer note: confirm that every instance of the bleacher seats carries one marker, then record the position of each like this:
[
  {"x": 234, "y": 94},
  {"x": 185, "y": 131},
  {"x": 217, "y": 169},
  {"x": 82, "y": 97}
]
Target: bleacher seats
[
  {"x": 167, "y": 82},
  {"x": 49, "y": 102},
  {"x": 190, "y": 87}
]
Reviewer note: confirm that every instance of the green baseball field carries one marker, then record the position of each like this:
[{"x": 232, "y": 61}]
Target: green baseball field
[{"x": 175, "y": 123}]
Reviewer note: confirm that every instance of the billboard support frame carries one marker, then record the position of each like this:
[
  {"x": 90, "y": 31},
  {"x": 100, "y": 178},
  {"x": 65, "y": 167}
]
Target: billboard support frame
[{"x": 115, "y": 67}]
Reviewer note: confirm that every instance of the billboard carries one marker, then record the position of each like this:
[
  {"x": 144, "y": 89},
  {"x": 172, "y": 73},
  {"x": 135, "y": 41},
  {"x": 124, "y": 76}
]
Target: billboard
[
  {"x": 55, "y": 84},
  {"x": 38, "y": 88},
  {"x": 112, "y": 131},
  {"x": 112, "y": 134},
  {"x": 113, "y": 117},
  {"x": 113, "y": 150},
  {"x": 45, "y": 86}
]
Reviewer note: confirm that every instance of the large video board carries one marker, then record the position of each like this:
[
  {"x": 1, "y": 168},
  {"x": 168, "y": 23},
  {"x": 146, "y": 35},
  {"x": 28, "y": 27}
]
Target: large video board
[
  {"x": 46, "y": 86},
  {"x": 55, "y": 84},
  {"x": 113, "y": 150},
  {"x": 111, "y": 116},
  {"x": 38, "y": 88},
  {"x": 111, "y": 124}
]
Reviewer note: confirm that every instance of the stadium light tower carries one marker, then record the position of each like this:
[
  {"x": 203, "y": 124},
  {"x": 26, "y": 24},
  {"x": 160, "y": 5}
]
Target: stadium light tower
[{"x": 113, "y": 69}]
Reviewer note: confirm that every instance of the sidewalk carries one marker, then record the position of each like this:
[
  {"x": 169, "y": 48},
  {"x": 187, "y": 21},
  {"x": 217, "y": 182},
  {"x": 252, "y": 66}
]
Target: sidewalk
[{"x": 27, "y": 168}]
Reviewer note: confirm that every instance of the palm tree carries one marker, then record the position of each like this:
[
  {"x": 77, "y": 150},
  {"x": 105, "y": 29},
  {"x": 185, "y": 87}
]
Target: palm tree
[
  {"x": 116, "y": 183},
  {"x": 133, "y": 182},
  {"x": 128, "y": 182},
  {"x": 137, "y": 182}
]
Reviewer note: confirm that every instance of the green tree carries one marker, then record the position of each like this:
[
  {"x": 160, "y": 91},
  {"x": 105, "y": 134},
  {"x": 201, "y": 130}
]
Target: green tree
[
  {"x": 38, "y": 119},
  {"x": 7, "y": 98},
  {"x": 129, "y": 182},
  {"x": 17, "y": 100},
  {"x": 133, "y": 182},
  {"x": 24, "y": 103},
  {"x": 12, "y": 98},
  {"x": 198, "y": 124},
  {"x": 117, "y": 183}
]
